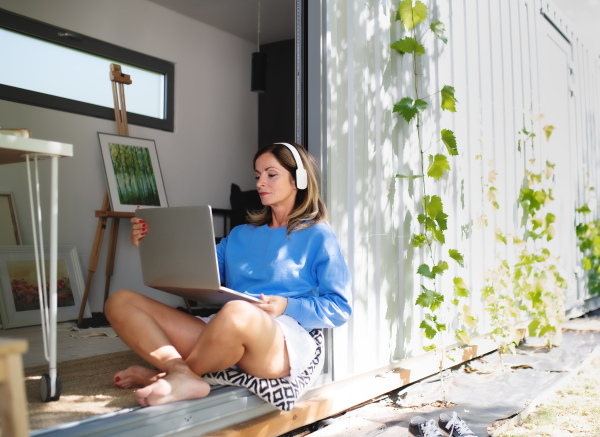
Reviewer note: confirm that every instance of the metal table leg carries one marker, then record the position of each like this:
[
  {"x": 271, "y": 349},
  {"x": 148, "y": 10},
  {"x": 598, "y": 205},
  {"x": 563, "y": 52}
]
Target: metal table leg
[{"x": 50, "y": 385}]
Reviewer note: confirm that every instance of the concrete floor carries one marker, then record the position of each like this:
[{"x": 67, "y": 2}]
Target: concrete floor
[{"x": 68, "y": 345}]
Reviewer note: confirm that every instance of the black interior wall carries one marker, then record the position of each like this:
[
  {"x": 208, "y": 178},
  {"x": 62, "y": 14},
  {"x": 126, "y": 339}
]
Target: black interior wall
[{"x": 276, "y": 104}]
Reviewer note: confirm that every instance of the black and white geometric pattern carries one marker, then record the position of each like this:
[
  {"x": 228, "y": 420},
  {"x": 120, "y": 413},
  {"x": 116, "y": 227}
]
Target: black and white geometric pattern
[{"x": 279, "y": 392}]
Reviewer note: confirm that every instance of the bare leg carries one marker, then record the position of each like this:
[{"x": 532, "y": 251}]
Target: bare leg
[
  {"x": 184, "y": 347},
  {"x": 161, "y": 335}
]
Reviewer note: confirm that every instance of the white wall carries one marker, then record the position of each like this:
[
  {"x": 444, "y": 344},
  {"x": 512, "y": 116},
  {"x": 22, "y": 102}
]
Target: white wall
[
  {"x": 212, "y": 145},
  {"x": 497, "y": 60}
]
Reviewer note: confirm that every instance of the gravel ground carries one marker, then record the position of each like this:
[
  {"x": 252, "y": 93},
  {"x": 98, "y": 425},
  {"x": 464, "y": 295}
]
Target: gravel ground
[{"x": 572, "y": 411}]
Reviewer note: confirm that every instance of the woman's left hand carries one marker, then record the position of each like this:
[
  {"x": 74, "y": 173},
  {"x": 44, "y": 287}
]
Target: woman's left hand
[{"x": 273, "y": 305}]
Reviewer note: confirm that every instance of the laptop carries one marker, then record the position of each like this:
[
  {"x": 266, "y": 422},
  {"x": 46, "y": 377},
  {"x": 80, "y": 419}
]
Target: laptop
[{"x": 178, "y": 255}]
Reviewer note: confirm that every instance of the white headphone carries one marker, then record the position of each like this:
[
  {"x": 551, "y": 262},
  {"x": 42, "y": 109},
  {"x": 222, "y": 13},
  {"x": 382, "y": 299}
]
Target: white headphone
[{"x": 301, "y": 175}]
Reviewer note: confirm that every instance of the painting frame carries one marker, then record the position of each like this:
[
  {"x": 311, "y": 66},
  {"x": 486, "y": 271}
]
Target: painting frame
[
  {"x": 10, "y": 234},
  {"x": 24, "y": 258},
  {"x": 132, "y": 170}
]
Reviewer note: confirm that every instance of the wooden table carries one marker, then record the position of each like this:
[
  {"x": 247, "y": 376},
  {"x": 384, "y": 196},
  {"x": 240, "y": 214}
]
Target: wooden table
[{"x": 14, "y": 149}]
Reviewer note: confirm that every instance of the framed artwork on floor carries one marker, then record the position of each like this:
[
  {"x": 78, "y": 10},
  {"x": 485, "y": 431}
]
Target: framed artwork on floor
[
  {"x": 132, "y": 171},
  {"x": 19, "y": 296},
  {"x": 9, "y": 225}
]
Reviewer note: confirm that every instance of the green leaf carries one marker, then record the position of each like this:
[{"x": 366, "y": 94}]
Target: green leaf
[
  {"x": 450, "y": 141},
  {"x": 429, "y": 329},
  {"x": 462, "y": 336},
  {"x": 411, "y": 16},
  {"x": 408, "y": 45},
  {"x": 431, "y": 326},
  {"x": 530, "y": 199},
  {"x": 438, "y": 236},
  {"x": 433, "y": 206},
  {"x": 468, "y": 317},
  {"x": 456, "y": 256},
  {"x": 431, "y": 347},
  {"x": 533, "y": 327},
  {"x": 408, "y": 109},
  {"x": 442, "y": 220},
  {"x": 440, "y": 268},
  {"x": 448, "y": 100},
  {"x": 501, "y": 237},
  {"x": 587, "y": 263},
  {"x": 548, "y": 131},
  {"x": 438, "y": 28},
  {"x": 585, "y": 209},
  {"x": 535, "y": 297},
  {"x": 537, "y": 223},
  {"x": 423, "y": 270},
  {"x": 430, "y": 299},
  {"x": 419, "y": 240},
  {"x": 460, "y": 288},
  {"x": 487, "y": 291},
  {"x": 438, "y": 165}
]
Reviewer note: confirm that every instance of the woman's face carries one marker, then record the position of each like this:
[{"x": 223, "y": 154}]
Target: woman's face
[{"x": 274, "y": 183}]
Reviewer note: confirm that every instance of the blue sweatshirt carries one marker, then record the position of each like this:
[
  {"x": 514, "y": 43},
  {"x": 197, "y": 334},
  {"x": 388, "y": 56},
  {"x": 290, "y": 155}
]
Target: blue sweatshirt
[{"x": 308, "y": 269}]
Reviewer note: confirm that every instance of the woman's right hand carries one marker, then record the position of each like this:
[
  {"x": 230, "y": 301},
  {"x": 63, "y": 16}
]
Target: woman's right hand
[{"x": 138, "y": 230}]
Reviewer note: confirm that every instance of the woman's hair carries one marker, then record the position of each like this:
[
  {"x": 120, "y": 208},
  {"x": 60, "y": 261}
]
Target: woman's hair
[{"x": 309, "y": 208}]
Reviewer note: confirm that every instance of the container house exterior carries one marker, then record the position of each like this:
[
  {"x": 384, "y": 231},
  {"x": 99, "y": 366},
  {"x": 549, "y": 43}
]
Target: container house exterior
[{"x": 509, "y": 62}]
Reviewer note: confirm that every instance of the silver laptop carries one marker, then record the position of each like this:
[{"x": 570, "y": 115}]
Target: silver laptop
[{"x": 179, "y": 256}]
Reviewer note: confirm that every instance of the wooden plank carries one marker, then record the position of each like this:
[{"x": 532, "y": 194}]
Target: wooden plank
[
  {"x": 13, "y": 408},
  {"x": 343, "y": 395},
  {"x": 102, "y": 214},
  {"x": 9, "y": 346},
  {"x": 351, "y": 426}
]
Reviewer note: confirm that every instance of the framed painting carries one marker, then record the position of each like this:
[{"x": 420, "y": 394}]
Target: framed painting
[
  {"x": 19, "y": 297},
  {"x": 132, "y": 172},
  {"x": 9, "y": 225}
]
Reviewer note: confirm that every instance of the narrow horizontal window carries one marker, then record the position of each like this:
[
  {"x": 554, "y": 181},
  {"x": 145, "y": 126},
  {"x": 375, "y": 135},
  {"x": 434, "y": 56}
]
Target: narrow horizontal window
[{"x": 59, "y": 69}]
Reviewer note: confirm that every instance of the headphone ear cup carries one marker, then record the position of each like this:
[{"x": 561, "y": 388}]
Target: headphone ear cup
[{"x": 301, "y": 179}]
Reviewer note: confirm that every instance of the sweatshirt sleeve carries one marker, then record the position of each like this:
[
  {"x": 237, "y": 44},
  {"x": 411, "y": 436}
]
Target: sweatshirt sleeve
[{"x": 331, "y": 304}]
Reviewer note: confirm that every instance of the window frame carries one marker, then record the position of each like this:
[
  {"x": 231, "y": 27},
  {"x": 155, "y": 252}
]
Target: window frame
[{"x": 47, "y": 32}]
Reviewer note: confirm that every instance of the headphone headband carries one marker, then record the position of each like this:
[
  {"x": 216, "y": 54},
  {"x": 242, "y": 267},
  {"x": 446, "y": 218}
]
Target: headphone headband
[{"x": 301, "y": 175}]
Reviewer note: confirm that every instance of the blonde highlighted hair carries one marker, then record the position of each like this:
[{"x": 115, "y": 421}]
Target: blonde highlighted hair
[{"x": 309, "y": 208}]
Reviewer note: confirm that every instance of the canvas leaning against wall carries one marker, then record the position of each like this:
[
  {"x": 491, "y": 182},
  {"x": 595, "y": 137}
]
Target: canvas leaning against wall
[
  {"x": 9, "y": 225},
  {"x": 19, "y": 296},
  {"x": 132, "y": 171}
]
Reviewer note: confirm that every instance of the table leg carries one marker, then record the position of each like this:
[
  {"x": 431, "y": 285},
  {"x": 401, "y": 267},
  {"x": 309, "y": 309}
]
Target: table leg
[{"x": 53, "y": 270}]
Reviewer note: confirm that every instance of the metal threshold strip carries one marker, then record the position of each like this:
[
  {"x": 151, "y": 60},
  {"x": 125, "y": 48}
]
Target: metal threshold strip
[{"x": 225, "y": 406}]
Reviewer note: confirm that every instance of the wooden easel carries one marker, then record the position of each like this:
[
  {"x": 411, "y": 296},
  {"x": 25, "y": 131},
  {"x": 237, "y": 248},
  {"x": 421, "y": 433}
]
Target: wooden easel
[
  {"x": 105, "y": 213},
  {"x": 116, "y": 77}
]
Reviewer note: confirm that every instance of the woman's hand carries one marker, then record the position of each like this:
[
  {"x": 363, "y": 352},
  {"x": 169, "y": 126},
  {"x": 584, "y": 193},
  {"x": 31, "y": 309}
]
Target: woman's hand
[
  {"x": 273, "y": 305},
  {"x": 138, "y": 230}
]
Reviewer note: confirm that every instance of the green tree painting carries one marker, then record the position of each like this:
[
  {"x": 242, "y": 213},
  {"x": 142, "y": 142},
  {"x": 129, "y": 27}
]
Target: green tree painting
[{"x": 136, "y": 184}]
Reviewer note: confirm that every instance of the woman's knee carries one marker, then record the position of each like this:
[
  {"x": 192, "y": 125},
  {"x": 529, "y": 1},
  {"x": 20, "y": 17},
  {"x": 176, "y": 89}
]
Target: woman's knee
[
  {"x": 238, "y": 317},
  {"x": 119, "y": 301}
]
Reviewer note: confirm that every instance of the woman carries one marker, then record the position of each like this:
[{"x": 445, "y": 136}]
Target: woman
[{"x": 288, "y": 257}]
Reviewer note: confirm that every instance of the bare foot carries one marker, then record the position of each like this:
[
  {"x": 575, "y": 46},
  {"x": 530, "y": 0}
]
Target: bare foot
[
  {"x": 178, "y": 385},
  {"x": 136, "y": 376}
]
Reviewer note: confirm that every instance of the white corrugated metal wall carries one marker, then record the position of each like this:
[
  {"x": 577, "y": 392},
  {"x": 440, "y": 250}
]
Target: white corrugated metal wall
[{"x": 498, "y": 58}]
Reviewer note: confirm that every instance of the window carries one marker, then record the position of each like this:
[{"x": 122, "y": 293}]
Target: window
[{"x": 63, "y": 70}]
